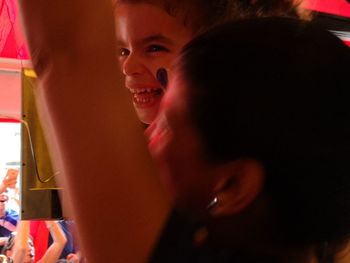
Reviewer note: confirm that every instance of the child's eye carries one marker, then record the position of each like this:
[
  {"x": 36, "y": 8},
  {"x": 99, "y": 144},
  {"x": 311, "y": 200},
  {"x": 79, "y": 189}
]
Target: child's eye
[
  {"x": 123, "y": 52},
  {"x": 156, "y": 48}
]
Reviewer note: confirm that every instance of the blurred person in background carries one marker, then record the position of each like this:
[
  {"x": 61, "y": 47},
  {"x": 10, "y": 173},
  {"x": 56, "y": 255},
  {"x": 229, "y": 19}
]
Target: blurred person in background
[{"x": 8, "y": 215}]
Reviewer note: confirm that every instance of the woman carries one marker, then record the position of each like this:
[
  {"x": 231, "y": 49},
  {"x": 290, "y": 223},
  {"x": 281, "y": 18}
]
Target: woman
[
  {"x": 20, "y": 248},
  {"x": 265, "y": 167}
]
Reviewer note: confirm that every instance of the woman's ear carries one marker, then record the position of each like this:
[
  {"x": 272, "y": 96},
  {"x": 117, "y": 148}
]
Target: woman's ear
[{"x": 238, "y": 185}]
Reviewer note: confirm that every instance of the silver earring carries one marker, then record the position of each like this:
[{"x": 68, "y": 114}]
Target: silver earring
[{"x": 213, "y": 204}]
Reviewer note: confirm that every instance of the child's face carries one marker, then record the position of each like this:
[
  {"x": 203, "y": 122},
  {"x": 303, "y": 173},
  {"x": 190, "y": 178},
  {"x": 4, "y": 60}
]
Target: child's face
[{"x": 148, "y": 39}]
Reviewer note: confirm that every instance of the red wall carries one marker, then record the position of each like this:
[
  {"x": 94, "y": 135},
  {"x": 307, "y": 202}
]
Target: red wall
[{"x": 335, "y": 7}]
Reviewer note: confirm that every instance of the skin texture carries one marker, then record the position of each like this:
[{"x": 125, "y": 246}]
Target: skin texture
[{"x": 142, "y": 50}]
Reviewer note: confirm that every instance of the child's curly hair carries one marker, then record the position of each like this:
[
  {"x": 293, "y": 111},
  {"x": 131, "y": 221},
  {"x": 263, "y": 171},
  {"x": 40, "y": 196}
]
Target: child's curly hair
[{"x": 201, "y": 15}]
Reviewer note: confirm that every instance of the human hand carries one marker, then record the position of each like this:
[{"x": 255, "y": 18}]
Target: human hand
[
  {"x": 50, "y": 223},
  {"x": 74, "y": 258},
  {"x": 10, "y": 179}
]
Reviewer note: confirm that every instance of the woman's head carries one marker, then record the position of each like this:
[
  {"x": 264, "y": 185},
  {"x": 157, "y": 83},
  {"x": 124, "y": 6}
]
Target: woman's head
[
  {"x": 151, "y": 33},
  {"x": 10, "y": 243},
  {"x": 269, "y": 90}
]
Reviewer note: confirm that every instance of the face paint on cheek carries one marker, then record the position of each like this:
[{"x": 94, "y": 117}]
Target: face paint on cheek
[{"x": 162, "y": 77}]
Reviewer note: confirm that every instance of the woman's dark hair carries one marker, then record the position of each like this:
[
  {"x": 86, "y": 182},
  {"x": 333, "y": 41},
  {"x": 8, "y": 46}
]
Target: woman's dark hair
[
  {"x": 201, "y": 15},
  {"x": 9, "y": 243},
  {"x": 274, "y": 89}
]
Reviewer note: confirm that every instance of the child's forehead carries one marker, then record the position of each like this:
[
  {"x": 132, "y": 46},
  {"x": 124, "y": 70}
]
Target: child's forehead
[
  {"x": 189, "y": 15},
  {"x": 159, "y": 3},
  {"x": 172, "y": 7},
  {"x": 154, "y": 21}
]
